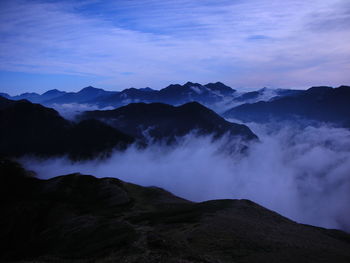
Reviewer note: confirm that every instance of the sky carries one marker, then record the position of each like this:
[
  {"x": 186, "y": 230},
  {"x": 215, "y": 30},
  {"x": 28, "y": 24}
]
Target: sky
[{"x": 246, "y": 44}]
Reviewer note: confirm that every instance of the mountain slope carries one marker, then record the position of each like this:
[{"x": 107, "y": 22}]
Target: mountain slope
[
  {"x": 324, "y": 104},
  {"x": 79, "y": 218},
  {"x": 162, "y": 121},
  {"x": 34, "y": 129}
]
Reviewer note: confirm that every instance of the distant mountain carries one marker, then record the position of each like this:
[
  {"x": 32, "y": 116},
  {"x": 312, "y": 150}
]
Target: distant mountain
[
  {"x": 216, "y": 96},
  {"x": 31, "y": 96},
  {"x": 5, "y": 95},
  {"x": 173, "y": 94},
  {"x": 51, "y": 94},
  {"x": 79, "y": 218},
  {"x": 36, "y": 98},
  {"x": 34, "y": 129},
  {"x": 205, "y": 94},
  {"x": 146, "y": 89},
  {"x": 325, "y": 104},
  {"x": 86, "y": 95},
  {"x": 265, "y": 94},
  {"x": 163, "y": 121},
  {"x": 127, "y": 96}
]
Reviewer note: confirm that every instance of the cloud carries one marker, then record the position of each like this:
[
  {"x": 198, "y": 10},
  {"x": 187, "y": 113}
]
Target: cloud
[
  {"x": 302, "y": 173},
  {"x": 164, "y": 42},
  {"x": 71, "y": 110}
]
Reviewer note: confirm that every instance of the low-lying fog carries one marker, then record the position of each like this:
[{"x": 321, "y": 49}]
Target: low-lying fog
[{"x": 301, "y": 173}]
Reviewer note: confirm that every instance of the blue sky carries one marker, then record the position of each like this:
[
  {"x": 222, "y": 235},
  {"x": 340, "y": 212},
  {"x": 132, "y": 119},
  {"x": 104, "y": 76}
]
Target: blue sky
[{"x": 246, "y": 44}]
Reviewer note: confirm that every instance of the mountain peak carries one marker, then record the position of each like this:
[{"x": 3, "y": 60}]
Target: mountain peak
[
  {"x": 53, "y": 91},
  {"x": 189, "y": 84},
  {"x": 146, "y": 89},
  {"x": 220, "y": 87},
  {"x": 89, "y": 89},
  {"x": 319, "y": 89}
]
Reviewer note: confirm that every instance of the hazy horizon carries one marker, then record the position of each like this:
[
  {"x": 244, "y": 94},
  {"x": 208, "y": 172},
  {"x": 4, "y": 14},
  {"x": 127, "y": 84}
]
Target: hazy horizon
[{"x": 243, "y": 89}]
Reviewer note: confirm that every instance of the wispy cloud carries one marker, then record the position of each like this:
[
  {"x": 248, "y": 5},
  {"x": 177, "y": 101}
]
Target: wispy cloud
[{"x": 243, "y": 43}]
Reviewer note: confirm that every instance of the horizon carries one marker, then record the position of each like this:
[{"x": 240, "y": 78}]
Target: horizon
[
  {"x": 91, "y": 86},
  {"x": 112, "y": 45}
]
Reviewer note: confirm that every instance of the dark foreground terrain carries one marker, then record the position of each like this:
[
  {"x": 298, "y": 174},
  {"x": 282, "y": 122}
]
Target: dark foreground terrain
[{"x": 79, "y": 218}]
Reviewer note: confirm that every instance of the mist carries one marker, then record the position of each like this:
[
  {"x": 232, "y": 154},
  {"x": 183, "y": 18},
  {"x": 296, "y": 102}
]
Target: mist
[
  {"x": 302, "y": 173},
  {"x": 70, "y": 111}
]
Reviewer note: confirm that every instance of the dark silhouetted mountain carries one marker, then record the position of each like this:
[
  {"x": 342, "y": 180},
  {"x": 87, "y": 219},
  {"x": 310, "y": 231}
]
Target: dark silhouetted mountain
[
  {"x": 31, "y": 96},
  {"x": 127, "y": 96},
  {"x": 36, "y": 98},
  {"x": 79, "y": 218},
  {"x": 5, "y": 95},
  {"x": 173, "y": 94},
  {"x": 216, "y": 96},
  {"x": 34, "y": 129},
  {"x": 51, "y": 94},
  {"x": 265, "y": 94},
  {"x": 207, "y": 94},
  {"x": 323, "y": 104},
  {"x": 146, "y": 89},
  {"x": 220, "y": 88},
  {"x": 163, "y": 121},
  {"x": 85, "y": 95}
]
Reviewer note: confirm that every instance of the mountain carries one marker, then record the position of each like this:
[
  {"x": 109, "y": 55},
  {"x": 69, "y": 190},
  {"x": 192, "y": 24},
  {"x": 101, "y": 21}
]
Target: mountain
[
  {"x": 31, "y": 96},
  {"x": 205, "y": 94},
  {"x": 34, "y": 129},
  {"x": 325, "y": 104},
  {"x": 265, "y": 94},
  {"x": 220, "y": 88},
  {"x": 85, "y": 95},
  {"x": 51, "y": 94},
  {"x": 5, "y": 95},
  {"x": 216, "y": 96},
  {"x": 127, "y": 96},
  {"x": 173, "y": 94},
  {"x": 163, "y": 121},
  {"x": 36, "y": 98},
  {"x": 79, "y": 218}
]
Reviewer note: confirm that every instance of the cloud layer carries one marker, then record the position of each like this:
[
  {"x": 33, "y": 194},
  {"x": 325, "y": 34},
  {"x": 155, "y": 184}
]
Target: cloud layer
[
  {"x": 301, "y": 173},
  {"x": 153, "y": 43}
]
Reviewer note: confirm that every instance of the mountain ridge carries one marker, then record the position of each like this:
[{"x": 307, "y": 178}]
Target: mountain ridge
[
  {"x": 80, "y": 218},
  {"x": 211, "y": 95},
  {"x": 324, "y": 104},
  {"x": 166, "y": 121},
  {"x": 35, "y": 129}
]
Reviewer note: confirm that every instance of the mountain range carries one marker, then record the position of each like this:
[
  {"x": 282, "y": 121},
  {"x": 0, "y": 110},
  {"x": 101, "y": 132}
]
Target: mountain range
[
  {"x": 33, "y": 129},
  {"x": 159, "y": 121},
  {"x": 322, "y": 104},
  {"x": 214, "y": 95}
]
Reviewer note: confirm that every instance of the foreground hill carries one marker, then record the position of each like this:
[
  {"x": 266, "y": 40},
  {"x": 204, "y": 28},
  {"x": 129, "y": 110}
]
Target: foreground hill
[
  {"x": 323, "y": 104},
  {"x": 79, "y": 218},
  {"x": 162, "y": 121},
  {"x": 34, "y": 129}
]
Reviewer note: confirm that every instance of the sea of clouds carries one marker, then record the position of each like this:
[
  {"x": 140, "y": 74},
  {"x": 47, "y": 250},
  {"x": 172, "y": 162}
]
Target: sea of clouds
[{"x": 301, "y": 172}]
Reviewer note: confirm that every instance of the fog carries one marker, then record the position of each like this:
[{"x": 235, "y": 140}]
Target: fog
[
  {"x": 70, "y": 110},
  {"x": 301, "y": 173}
]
